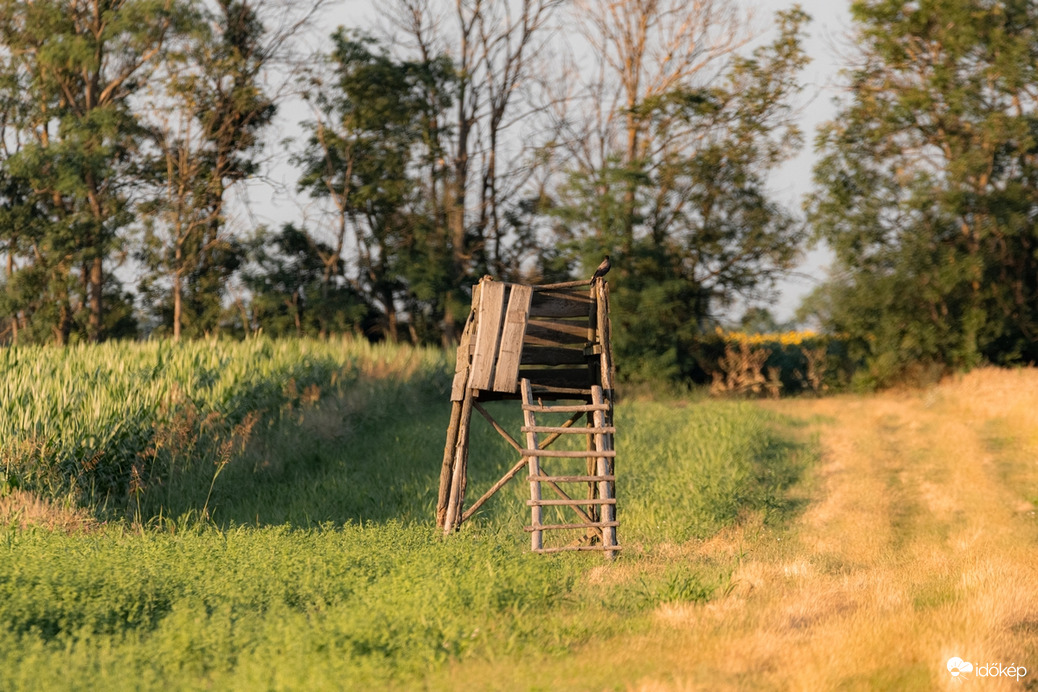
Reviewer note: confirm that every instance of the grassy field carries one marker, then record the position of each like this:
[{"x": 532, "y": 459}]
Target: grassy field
[
  {"x": 279, "y": 535},
  {"x": 284, "y": 540}
]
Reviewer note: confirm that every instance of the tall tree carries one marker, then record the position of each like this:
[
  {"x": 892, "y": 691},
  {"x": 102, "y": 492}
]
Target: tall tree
[
  {"x": 219, "y": 92},
  {"x": 928, "y": 187},
  {"x": 81, "y": 62},
  {"x": 483, "y": 156},
  {"x": 670, "y": 150},
  {"x": 374, "y": 127}
]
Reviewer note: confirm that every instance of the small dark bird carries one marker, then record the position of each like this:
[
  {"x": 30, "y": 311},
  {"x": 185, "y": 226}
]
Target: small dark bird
[{"x": 602, "y": 270}]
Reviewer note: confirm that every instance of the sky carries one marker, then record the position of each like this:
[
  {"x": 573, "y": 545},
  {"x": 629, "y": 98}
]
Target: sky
[{"x": 274, "y": 202}]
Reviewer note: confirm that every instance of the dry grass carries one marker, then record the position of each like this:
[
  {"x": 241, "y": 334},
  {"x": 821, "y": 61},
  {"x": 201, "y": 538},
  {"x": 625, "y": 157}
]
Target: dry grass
[
  {"x": 24, "y": 509},
  {"x": 920, "y": 546}
]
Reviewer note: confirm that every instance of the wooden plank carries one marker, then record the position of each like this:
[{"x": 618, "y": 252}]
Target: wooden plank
[
  {"x": 560, "y": 304},
  {"x": 569, "y": 430},
  {"x": 488, "y": 332},
  {"x": 555, "y": 333},
  {"x": 565, "y": 284},
  {"x": 549, "y": 527},
  {"x": 605, "y": 337},
  {"x": 459, "y": 472},
  {"x": 567, "y": 453},
  {"x": 494, "y": 488},
  {"x": 568, "y": 408},
  {"x": 506, "y": 371},
  {"x": 571, "y": 502},
  {"x": 575, "y": 479},
  {"x": 537, "y": 354},
  {"x": 448, "y": 463},
  {"x": 603, "y": 467}
]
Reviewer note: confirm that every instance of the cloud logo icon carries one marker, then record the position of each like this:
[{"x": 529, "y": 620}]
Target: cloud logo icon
[{"x": 956, "y": 666}]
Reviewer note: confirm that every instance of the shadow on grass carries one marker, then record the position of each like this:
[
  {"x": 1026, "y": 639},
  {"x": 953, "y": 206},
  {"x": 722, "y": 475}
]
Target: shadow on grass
[{"x": 372, "y": 454}]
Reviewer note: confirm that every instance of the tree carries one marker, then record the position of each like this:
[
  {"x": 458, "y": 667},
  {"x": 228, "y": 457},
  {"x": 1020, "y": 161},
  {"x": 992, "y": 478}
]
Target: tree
[
  {"x": 480, "y": 160},
  {"x": 207, "y": 124},
  {"x": 669, "y": 162},
  {"x": 80, "y": 62},
  {"x": 374, "y": 127},
  {"x": 928, "y": 188},
  {"x": 287, "y": 278}
]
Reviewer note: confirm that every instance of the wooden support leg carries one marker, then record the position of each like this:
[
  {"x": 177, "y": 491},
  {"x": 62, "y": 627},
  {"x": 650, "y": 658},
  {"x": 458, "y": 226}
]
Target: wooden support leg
[
  {"x": 448, "y": 464},
  {"x": 456, "y": 498}
]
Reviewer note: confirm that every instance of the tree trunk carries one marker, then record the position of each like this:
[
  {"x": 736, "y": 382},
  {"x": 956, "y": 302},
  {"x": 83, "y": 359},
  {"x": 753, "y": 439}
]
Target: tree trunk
[
  {"x": 96, "y": 326},
  {"x": 178, "y": 300}
]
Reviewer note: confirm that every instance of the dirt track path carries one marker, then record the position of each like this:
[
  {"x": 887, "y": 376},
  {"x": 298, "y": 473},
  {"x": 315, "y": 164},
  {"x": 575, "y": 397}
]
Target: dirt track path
[{"x": 920, "y": 544}]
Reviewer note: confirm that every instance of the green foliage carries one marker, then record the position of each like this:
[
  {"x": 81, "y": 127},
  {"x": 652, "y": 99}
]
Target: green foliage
[
  {"x": 289, "y": 294},
  {"x": 927, "y": 190},
  {"x": 70, "y": 77},
  {"x": 376, "y": 132}
]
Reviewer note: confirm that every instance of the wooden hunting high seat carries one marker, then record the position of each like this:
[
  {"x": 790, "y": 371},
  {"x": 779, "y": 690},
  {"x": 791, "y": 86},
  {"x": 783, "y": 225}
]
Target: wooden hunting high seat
[{"x": 555, "y": 339}]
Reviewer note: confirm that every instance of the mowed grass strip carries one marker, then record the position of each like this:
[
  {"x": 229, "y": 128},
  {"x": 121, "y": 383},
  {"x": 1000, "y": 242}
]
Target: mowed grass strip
[
  {"x": 315, "y": 564},
  {"x": 918, "y": 546}
]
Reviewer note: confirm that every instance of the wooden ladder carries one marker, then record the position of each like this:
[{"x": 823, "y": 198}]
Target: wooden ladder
[{"x": 600, "y": 514}]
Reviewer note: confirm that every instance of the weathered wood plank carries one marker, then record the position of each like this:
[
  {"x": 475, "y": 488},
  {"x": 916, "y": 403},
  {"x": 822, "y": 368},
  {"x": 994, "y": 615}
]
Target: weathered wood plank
[
  {"x": 448, "y": 463},
  {"x": 604, "y": 467},
  {"x": 549, "y": 527},
  {"x": 567, "y": 453},
  {"x": 506, "y": 370},
  {"x": 571, "y": 502},
  {"x": 552, "y": 355},
  {"x": 568, "y": 408},
  {"x": 488, "y": 332},
  {"x": 555, "y": 334},
  {"x": 459, "y": 472},
  {"x": 605, "y": 336},
  {"x": 461, "y": 365},
  {"x": 569, "y": 430},
  {"x": 560, "y": 304},
  {"x": 536, "y": 537}
]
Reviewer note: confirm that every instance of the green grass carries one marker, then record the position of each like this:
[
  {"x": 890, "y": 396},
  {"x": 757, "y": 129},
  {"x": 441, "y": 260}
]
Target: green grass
[{"x": 301, "y": 554}]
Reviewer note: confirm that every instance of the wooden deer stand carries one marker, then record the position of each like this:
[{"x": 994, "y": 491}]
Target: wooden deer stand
[{"x": 539, "y": 344}]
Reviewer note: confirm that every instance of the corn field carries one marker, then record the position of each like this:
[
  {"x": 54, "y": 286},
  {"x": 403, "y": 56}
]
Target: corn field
[{"x": 95, "y": 424}]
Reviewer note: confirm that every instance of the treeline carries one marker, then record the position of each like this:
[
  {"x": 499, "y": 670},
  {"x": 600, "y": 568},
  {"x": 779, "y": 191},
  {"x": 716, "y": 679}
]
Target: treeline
[
  {"x": 522, "y": 139},
  {"x": 480, "y": 140}
]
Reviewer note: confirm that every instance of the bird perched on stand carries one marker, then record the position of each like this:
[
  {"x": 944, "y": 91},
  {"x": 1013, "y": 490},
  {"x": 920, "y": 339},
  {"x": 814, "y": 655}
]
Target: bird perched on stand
[{"x": 602, "y": 270}]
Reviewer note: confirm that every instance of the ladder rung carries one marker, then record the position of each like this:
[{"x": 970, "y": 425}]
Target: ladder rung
[
  {"x": 562, "y": 548},
  {"x": 546, "y": 527},
  {"x": 571, "y": 502},
  {"x": 568, "y": 408},
  {"x": 574, "y": 454},
  {"x": 571, "y": 479},
  {"x": 570, "y": 430}
]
